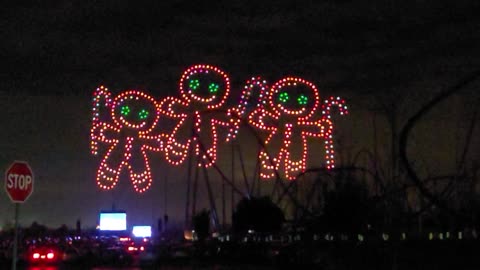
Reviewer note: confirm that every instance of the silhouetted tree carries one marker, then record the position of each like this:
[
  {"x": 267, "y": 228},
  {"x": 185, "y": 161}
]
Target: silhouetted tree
[
  {"x": 35, "y": 230},
  {"x": 347, "y": 207},
  {"x": 201, "y": 224},
  {"x": 78, "y": 226},
  {"x": 259, "y": 214},
  {"x": 61, "y": 231}
]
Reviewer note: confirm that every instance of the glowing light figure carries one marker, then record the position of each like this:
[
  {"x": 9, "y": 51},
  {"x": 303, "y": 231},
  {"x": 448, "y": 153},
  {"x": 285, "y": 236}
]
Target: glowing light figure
[
  {"x": 101, "y": 99},
  {"x": 292, "y": 105},
  {"x": 254, "y": 96},
  {"x": 203, "y": 89},
  {"x": 128, "y": 133},
  {"x": 326, "y": 115}
]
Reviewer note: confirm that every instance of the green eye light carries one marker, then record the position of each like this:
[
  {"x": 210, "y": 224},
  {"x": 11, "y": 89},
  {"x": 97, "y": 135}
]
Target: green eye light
[
  {"x": 125, "y": 110},
  {"x": 213, "y": 88},
  {"x": 194, "y": 84},
  {"x": 143, "y": 114},
  {"x": 283, "y": 97},
  {"x": 302, "y": 100}
]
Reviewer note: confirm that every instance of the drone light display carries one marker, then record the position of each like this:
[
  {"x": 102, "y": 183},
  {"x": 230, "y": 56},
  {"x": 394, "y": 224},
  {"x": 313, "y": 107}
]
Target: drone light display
[
  {"x": 203, "y": 88},
  {"x": 292, "y": 105},
  {"x": 127, "y": 125},
  {"x": 127, "y": 133},
  {"x": 247, "y": 100}
]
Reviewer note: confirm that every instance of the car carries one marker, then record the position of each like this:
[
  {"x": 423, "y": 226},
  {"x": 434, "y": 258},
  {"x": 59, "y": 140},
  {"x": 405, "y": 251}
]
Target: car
[
  {"x": 134, "y": 248},
  {"x": 44, "y": 255}
]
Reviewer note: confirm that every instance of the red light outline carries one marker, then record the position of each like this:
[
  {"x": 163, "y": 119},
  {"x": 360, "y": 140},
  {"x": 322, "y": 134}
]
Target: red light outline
[
  {"x": 182, "y": 108},
  {"x": 108, "y": 175},
  {"x": 266, "y": 115},
  {"x": 322, "y": 128},
  {"x": 238, "y": 112}
]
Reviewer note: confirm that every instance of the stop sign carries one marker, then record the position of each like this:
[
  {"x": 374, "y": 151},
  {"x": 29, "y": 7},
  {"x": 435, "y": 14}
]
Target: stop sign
[{"x": 19, "y": 181}]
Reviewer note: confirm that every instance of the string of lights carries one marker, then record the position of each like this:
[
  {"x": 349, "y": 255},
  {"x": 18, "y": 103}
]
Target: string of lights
[
  {"x": 203, "y": 88},
  {"x": 248, "y": 99},
  {"x": 134, "y": 114},
  {"x": 128, "y": 124}
]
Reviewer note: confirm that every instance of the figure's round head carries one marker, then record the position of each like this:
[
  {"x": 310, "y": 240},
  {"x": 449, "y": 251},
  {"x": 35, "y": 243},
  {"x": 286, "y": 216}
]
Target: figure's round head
[
  {"x": 205, "y": 84},
  {"x": 295, "y": 97},
  {"x": 135, "y": 110}
]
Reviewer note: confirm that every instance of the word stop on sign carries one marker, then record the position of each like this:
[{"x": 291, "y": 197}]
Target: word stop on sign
[{"x": 19, "y": 181}]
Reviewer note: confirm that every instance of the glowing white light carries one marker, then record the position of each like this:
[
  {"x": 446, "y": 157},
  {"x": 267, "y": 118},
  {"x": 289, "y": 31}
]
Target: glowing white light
[
  {"x": 113, "y": 221},
  {"x": 142, "y": 231}
]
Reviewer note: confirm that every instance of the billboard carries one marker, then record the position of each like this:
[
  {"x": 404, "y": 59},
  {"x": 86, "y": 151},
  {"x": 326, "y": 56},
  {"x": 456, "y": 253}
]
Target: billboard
[
  {"x": 142, "y": 231},
  {"x": 113, "y": 221}
]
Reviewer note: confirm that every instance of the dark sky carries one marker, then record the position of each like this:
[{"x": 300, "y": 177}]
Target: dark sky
[{"x": 55, "y": 53}]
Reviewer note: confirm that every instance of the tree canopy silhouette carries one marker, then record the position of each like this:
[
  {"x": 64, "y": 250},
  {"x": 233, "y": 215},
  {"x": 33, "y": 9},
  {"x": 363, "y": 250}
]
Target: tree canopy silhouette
[
  {"x": 258, "y": 214},
  {"x": 201, "y": 224}
]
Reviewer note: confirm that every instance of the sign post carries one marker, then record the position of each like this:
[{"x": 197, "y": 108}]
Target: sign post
[
  {"x": 15, "y": 239},
  {"x": 19, "y": 186}
]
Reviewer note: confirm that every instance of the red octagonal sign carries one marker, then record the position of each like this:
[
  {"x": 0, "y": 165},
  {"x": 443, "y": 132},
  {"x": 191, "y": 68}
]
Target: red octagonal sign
[{"x": 19, "y": 181}]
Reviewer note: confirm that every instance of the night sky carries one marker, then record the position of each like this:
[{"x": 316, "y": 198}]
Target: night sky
[{"x": 382, "y": 56}]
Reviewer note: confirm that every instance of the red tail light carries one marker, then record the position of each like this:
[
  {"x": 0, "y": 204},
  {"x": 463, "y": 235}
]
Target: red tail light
[
  {"x": 36, "y": 256},
  {"x": 50, "y": 255}
]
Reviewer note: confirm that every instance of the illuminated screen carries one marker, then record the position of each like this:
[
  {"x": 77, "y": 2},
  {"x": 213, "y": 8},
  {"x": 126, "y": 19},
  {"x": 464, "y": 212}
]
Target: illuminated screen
[
  {"x": 142, "y": 231},
  {"x": 113, "y": 221}
]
